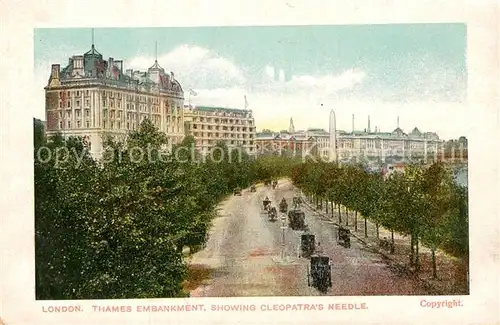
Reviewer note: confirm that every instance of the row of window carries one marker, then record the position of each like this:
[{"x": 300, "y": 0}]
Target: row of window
[
  {"x": 78, "y": 113},
  {"x": 222, "y": 121},
  {"x": 111, "y": 94},
  {"x": 223, "y": 128},
  {"x": 112, "y": 125},
  {"x": 78, "y": 105},
  {"x": 222, "y": 135},
  {"x": 69, "y": 125},
  {"x": 73, "y": 93},
  {"x": 108, "y": 95},
  {"x": 233, "y": 142}
]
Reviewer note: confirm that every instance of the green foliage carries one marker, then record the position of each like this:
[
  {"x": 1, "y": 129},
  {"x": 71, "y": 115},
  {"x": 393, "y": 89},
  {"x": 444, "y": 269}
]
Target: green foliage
[
  {"x": 116, "y": 228},
  {"x": 420, "y": 202}
]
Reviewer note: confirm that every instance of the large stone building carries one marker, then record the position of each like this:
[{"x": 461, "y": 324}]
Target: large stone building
[
  {"x": 208, "y": 125},
  {"x": 355, "y": 145},
  {"x": 285, "y": 142},
  {"x": 382, "y": 146},
  {"x": 92, "y": 97}
]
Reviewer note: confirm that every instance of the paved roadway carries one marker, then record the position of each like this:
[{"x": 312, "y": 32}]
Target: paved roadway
[{"x": 244, "y": 253}]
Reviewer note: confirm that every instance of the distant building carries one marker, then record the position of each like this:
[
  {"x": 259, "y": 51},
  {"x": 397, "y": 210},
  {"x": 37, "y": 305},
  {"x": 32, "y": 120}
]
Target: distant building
[
  {"x": 375, "y": 146},
  {"x": 283, "y": 143},
  {"x": 290, "y": 142},
  {"x": 320, "y": 140},
  {"x": 92, "y": 97},
  {"x": 208, "y": 125},
  {"x": 383, "y": 146}
]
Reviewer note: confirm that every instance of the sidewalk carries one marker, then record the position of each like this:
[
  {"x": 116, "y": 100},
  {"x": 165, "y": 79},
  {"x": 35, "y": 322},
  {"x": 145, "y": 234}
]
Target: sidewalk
[{"x": 451, "y": 271}]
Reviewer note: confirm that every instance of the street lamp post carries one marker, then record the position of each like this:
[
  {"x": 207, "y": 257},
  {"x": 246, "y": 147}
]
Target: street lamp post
[{"x": 283, "y": 228}]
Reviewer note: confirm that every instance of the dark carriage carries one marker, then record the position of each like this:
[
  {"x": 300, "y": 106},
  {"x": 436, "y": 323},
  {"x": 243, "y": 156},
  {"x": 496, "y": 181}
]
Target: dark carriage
[
  {"x": 283, "y": 206},
  {"x": 266, "y": 204},
  {"x": 273, "y": 214},
  {"x": 296, "y": 219},
  {"x": 237, "y": 191},
  {"x": 275, "y": 184},
  {"x": 344, "y": 237},
  {"x": 253, "y": 188},
  {"x": 319, "y": 273},
  {"x": 297, "y": 201},
  {"x": 267, "y": 182},
  {"x": 307, "y": 245}
]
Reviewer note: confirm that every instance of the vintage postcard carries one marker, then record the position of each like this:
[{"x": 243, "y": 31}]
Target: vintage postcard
[{"x": 307, "y": 172}]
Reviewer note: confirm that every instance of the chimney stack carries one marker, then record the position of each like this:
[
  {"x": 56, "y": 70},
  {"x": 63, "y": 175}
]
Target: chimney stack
[
  {"x": 56, "y": 69},
  {"x": 353, "y": 123},
  {"x": 54, "y": 76},
  {"x": 398, "y": 121},
  {"x": 369, "y": 124}
]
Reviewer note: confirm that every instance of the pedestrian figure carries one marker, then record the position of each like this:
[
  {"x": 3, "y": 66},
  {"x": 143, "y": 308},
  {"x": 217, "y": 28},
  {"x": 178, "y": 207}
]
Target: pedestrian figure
[{"x": 318, "y": 249}]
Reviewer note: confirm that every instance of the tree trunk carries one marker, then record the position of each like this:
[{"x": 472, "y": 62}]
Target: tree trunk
[
  {"x": 326, "y": 206},
  {"x": 412, "y": 249},
  {"x": 417, "y": 257},
  {"x": 355, "y": 220},
  {"x": 377, "y": 227},
  {"x": 392, "y": 241},
  {"x": 340, "y": 214},
  {"x": 434, "y": 268},
  {"x": 331, "y": 207},
  {"x": 366, "y": 228},
  {"x": 347, "y": 217}
]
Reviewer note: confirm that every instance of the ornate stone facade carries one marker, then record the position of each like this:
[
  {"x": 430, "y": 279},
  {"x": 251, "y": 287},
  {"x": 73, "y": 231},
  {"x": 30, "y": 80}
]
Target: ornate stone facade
[{"x": 91, "y": 97}]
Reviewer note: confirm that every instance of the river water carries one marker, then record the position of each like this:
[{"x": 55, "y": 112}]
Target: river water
[{"x": 461, "y": 176}]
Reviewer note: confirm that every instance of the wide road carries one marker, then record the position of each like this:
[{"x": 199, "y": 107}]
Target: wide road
[{"x": 244, "y": 254}]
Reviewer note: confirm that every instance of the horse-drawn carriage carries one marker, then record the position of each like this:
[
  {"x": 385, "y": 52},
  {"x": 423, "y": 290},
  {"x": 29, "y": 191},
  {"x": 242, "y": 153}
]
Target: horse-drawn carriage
[
  {"x": 273, "y": 214},
  {"x": 253, "y": 188},
  {"x": 283, "y": 206},
  {"x": 344, "y": 238},
  {"x": 297, "y": 201},
  {"x": 237, "y": 191},
  {"x": 267, "y": 182},
  {"x": 266, "y": 203},
  {"x": 296, "y": 219},
  {"x": 275, "y": 184},
  {"x": 319, "y": 273},
  {"x": 307, "y": 245}
]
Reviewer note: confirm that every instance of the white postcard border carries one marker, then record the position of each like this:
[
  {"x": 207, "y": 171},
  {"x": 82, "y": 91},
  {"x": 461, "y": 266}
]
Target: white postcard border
[{"x": 19, "y": 18}]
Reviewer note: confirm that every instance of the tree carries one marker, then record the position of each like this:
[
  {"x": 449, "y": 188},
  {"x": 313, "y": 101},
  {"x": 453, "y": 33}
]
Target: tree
[
  {"x": 399, "y": 201},
  {"x": 65, "y": 176},
  {"x": 437, "y": 186}
]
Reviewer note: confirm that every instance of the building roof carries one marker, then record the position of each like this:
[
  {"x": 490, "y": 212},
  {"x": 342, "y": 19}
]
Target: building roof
[
  {"x": 214, "y": 109},
  {"x": 416, "y": 131},
  {"x": 95, "y": 67},
  {"x": 285, "y": 136},
  {"x": 397, "y": 134}
]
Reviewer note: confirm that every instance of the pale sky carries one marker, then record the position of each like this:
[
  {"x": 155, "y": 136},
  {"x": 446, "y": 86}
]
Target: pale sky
[{"x": 414, "y": 71}]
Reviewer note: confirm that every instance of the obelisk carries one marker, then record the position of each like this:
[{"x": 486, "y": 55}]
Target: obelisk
[{"x": 333, "y": 137}]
